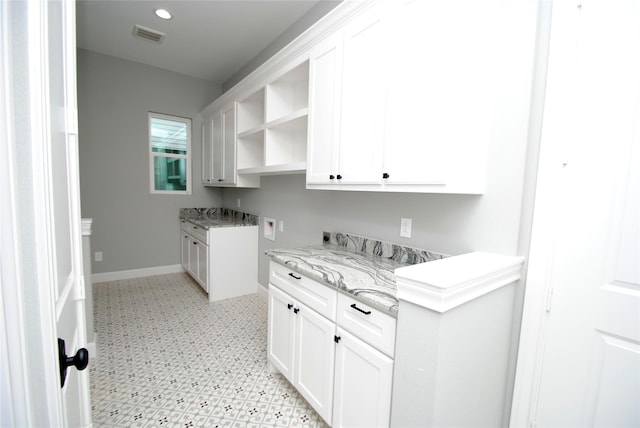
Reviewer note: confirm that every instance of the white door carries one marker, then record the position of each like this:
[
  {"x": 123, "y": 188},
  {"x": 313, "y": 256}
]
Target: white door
[
  {"x": 579, "y": 358},
  {"x": 362, "y": 387},
  {"x": 281, "y": 334},
  {"x": 229, "y": 144},
  {"x": 314, "y": 359},
  {"x": 208, "y": 154},
  {"x": 438, "y": 111},
  {"x": 41, "y": 205},
  {"x": 362, "y": 100},
  {"x": 325, "y": 68}
]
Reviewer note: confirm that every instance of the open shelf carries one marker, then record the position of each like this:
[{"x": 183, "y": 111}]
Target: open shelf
[
  {"x": 251, "y": 112},
  {"x": 282, "y": 169},
  {"x": 288, "y": 94},
  {"x": 250, "y": 150}
]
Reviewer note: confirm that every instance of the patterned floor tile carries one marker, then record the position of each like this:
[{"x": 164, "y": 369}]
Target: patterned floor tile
[{"x": 167, "y": 357}]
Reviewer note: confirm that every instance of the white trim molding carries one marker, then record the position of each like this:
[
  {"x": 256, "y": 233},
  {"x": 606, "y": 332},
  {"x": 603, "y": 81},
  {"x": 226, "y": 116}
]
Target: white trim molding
[
  {"x": 444, "y": 284},
  {"x": 135, "y": 273}
]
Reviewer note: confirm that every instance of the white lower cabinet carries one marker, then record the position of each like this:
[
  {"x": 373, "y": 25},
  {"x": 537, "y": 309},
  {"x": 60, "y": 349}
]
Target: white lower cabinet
[
  {"x": 362, "y": 386},
  {"x": 302, "y": 347},
  {"x": 338, "y": 355},
  {"x": 223, "y": 260},
  {"x": 194, "y": 259}
]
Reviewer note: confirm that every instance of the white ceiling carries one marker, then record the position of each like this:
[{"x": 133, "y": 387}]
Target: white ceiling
[{"x": 208, "y": 39}]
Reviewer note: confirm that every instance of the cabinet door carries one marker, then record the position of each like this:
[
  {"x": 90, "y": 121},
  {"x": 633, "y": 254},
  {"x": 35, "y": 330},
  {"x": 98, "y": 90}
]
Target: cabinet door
[
  {"x": 315, "y": 348},
  {"x": 362, "y": 101},
  {"x": 325, "y": 63},
  {"x": 281, "y": 331},
  {"x": 217, "y": 149},
  {"x": 193, "y": 258},
  {"x": 437, "y": 118},
  {"x": 184, "y": 251},
  {"x": 207, "y": 151},
  {"x": 229, "y": 143},
  {"x": 362, "y": 387},
  {"x": 203, "y": 265}
]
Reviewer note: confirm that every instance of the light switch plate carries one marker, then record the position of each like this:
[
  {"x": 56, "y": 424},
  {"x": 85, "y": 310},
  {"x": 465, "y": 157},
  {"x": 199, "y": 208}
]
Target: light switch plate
[{"x": 405, "y": 227}]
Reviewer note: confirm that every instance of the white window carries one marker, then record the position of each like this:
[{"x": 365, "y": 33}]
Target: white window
[{"x": 169, "y": 154}]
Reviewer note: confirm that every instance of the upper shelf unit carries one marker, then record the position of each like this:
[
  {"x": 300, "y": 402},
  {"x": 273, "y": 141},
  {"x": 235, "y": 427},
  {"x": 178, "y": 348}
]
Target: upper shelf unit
[{"x": 272, "y": 125}]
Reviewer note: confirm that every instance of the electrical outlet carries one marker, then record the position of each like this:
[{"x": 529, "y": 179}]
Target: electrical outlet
[
  {"x": 281, "y": 226},
  {"x": 405, "y": 227},
  {"x": 238, "y": 202},
  {"x": 97, "y": 256}
]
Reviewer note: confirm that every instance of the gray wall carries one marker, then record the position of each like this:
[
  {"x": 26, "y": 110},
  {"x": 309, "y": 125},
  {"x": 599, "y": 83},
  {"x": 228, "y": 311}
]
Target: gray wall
[
  {"x": 314, "y": 14},
  {"x": 133, "y": 228}
]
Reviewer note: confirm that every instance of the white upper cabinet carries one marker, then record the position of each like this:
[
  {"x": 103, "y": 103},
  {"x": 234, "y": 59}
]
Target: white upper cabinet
[
  {"x": 414, "y": 102},
  {"x": 218, "y": 149},
  {"x": 207, "y": 150},
  {"x": 362, "y": 101},
  {"x": 220, "y": 152},
  {"x": 325, "y": 68},
  {"x": 347, "y": 105},
  {"x": 387, "y": 95},
  {"x": 438, "y": 106}
]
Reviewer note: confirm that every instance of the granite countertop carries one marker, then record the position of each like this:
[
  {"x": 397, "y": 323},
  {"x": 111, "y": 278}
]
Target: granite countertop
[
  {"x": 217, "y": 217},
  {"x": 361, "y": 267}
]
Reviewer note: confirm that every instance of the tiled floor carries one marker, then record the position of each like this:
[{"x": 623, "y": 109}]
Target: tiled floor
[{"x": 168, "y": 357}]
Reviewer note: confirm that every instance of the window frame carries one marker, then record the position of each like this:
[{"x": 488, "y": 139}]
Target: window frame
[{"x": 152, "y": 155}]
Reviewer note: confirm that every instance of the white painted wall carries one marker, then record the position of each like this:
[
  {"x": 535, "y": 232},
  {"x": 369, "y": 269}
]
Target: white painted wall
[{"x": 133, "y": 228}]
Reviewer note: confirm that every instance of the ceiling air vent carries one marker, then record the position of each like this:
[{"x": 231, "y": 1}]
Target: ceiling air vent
[{"x": 148, "y": 34}]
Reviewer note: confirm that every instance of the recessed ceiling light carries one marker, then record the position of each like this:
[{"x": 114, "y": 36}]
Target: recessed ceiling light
[{"x": 163, "y": 14}]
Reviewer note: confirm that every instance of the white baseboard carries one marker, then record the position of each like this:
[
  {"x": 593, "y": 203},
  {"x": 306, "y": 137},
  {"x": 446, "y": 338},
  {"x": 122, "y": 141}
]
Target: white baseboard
[
  {"x": 262, "y": 291},
  {"x": 135, "y": 273}
]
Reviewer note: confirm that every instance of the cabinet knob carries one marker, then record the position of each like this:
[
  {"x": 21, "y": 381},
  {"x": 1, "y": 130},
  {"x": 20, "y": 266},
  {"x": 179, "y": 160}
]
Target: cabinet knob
[
  {"x": 289, "y": 306},
  {"x": 385, "y": 175},
  {"x": 296, "y": 310},
  {"x": 331, "y": 176},
  {"x": 339, "y": 177},
  {"x": 220, "y": 179},
  {"x": 336, "y": 339}
]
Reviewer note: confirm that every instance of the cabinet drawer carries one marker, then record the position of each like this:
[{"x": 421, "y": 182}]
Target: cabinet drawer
[
  {"x": 369, "y": 324},
  {"x": 197, "y": 232},
  {"x": 319, "y": 297}
]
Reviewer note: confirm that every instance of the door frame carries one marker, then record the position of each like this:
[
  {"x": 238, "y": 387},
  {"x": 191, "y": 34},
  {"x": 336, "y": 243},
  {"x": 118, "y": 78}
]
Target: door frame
[
  {"x": 565, "y": 29},
  {"x": 31, "y": 393}
]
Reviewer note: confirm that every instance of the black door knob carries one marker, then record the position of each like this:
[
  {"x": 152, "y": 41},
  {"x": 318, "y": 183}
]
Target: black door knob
[{"x": 80, "y": 360}]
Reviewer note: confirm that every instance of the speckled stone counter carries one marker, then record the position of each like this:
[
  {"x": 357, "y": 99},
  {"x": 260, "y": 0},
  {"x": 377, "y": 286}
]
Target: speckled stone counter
[
  {"x": 358, "y": 266},
  {"x": 217, "y": 217}
]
